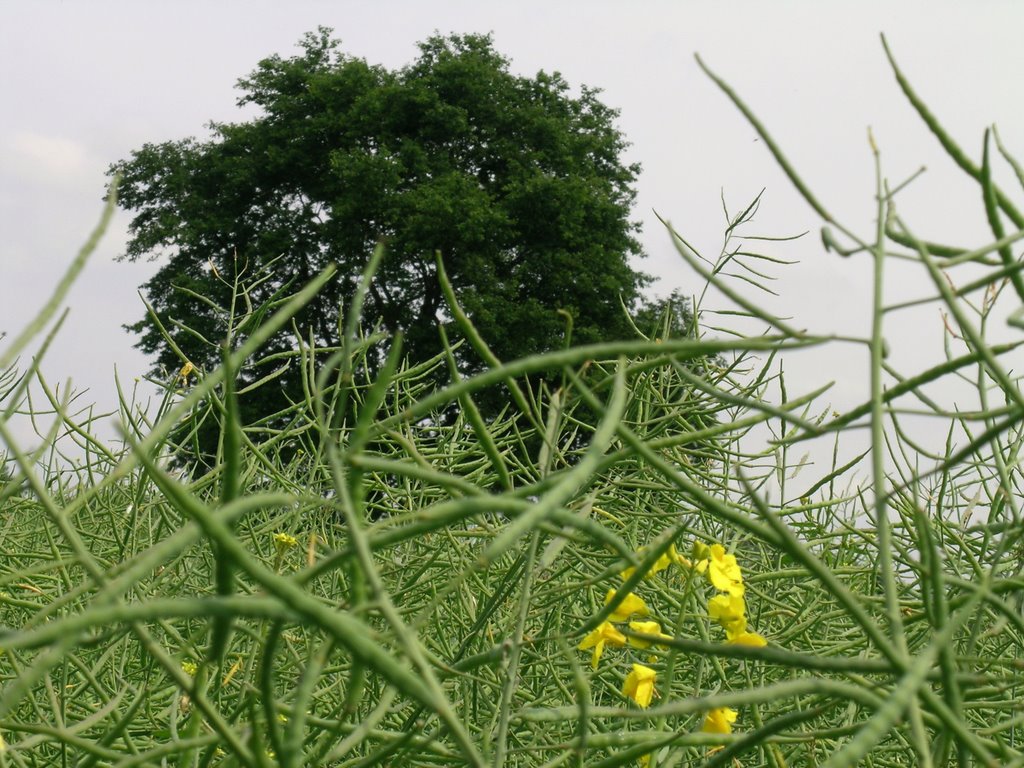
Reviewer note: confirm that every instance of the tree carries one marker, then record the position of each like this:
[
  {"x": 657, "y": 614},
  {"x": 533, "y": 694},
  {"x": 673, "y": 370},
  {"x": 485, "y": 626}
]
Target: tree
[{"x": 520, "y": 186}]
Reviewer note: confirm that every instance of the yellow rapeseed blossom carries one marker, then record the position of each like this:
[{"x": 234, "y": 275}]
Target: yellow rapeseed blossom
[
  {"x": 724, "y": 571},
  {"x": 186, "y": 370},
  {"x": 631, "y": 605},
  {"x": 639, "y": 685},
  {"x": 189, "y": 668},
  {"x": 284, "y": 541},
  {"x": 746, "y": 638},
  {"x": 719, "y": 720},
  {"x": 648, "y": 628},
  {"x": 729, "y": 611},
  {"x": 660, "y": 564},
  {"x": 605, "y": 634}
]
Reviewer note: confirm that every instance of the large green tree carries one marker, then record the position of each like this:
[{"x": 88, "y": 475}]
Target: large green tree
[{"x": 519, "y": 184}]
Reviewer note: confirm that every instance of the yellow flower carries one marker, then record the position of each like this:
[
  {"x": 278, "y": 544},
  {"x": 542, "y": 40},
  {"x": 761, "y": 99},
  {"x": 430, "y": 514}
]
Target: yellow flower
[
  {"x": 185, "y": 372},
  {"x": 746, "y": 638},
  {"x": 605, "y": 634},
  {"x": 639, "y": 685},
  {"x": 648, "y": 628},
  {"x": 189, "y": 668},
  {"x": 724, "y": 571},
  {"x": 283, "y": 542},
  {"x": 719, "y": 720},
  {"x": 729, "y": 611},
  {"x": 630, "y": 605},
  {"x": 660, "y": 564}
]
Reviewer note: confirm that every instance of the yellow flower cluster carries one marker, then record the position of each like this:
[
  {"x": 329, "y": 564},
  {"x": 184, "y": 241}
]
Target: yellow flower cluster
[
  {"x": 663, "y": 562},
  {"x": 607, "y": 634},
  {"x": 722, "y": 569},
  {"x": 639, "y": 683},
  {"x": 728, "y": 609},
  {"x": 284, "y": 541}
]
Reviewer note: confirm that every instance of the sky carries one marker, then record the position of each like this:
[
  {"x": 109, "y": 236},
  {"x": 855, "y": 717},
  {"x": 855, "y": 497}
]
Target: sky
[{"x": 86, "y": 83}]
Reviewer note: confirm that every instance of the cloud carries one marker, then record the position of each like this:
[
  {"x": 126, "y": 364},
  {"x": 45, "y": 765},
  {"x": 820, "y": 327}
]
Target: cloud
[{"x": 49, "y": 158}]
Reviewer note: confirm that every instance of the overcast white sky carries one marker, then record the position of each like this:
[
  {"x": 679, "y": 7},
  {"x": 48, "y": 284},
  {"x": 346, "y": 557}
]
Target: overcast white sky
[{"x": 86, "y": 83}]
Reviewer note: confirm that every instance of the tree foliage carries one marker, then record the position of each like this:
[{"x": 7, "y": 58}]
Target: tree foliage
[{"x": 518, "y": 184}]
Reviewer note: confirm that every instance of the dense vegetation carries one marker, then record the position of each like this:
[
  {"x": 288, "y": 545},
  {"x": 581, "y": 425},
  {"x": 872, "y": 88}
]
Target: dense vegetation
[{"x": 597, "y": 576}]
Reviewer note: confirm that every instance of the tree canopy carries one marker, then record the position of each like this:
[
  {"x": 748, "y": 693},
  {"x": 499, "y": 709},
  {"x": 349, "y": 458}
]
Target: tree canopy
[{"x": 520, "y": 185}]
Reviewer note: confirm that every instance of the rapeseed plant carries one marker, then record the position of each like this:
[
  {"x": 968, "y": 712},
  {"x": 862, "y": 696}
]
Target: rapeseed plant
[{"x": 401, "y": 613}]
